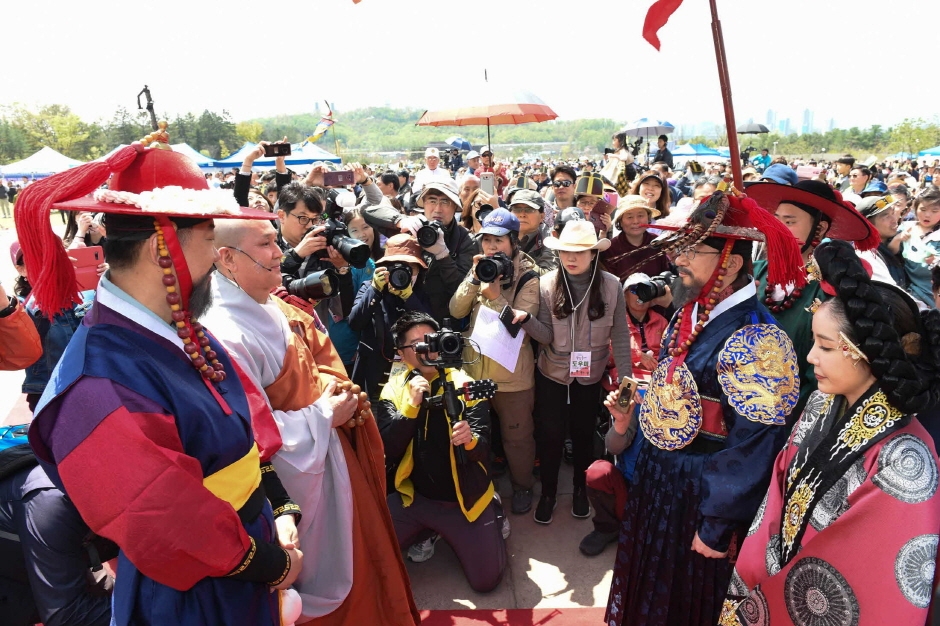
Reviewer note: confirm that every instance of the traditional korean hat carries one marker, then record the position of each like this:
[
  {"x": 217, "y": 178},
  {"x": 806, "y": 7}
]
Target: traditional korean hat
[
  {"x": 722, "y": 221},
  {"x": 151, "y": 188}
]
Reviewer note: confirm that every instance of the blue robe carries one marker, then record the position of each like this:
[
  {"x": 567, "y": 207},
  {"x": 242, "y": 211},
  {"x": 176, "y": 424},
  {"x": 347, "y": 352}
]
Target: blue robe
[
  {"x": 130, "y": 431},
  {"x": 712, "y": 486}
]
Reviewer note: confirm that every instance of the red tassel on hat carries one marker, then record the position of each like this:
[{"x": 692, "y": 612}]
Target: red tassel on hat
[
  {"x": 50, "y": 271},
  {"x": 784, "y": 261}
]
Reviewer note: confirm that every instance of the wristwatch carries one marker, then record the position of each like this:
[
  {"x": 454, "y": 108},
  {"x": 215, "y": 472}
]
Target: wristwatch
[{"x": 343, "y": 270}]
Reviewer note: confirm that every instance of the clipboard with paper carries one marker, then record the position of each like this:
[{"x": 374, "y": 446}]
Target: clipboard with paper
[{"x": 494, "y": 341}]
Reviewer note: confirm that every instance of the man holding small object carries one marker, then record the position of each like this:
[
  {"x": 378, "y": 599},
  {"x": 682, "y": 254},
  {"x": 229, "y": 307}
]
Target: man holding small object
[
  {"x": 607, "y": 482},
  {"x": 436, "y": 464}
]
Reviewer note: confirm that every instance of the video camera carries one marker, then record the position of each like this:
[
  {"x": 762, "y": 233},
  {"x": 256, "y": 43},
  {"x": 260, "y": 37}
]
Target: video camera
[
  {"x": 354, "y": 251},
  {"x": 655, "y": 287},
  {"x": 490, "y": 268},
  {"x": 447, "y": 343}
]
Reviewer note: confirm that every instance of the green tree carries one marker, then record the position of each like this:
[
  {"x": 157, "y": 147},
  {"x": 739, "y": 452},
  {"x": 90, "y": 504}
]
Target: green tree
[{"x": 250, "y": 131}]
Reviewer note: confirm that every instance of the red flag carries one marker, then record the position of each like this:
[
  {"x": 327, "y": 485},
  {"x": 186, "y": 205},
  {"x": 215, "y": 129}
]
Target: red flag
[{"x": 656, "y": 18}]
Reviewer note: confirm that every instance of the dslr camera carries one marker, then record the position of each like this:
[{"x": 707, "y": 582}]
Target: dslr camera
[
  {"x": 653, "y": 288},
  {"x": 354, "y": 251},
  {"x": 427, "y": 234},
  {"x": 399, "y": 275},
  {"x": 490, "y": 268},
  {"x": 315, "y": 286},
  {"x": 447, "y": 343}
]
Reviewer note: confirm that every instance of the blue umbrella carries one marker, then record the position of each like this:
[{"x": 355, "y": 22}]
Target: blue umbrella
[{"x": 458, "y": 142}]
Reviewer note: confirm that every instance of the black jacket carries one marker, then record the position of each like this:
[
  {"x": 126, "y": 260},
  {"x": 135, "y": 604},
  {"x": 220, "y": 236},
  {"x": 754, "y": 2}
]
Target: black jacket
[{"x": 443, "y": 275}]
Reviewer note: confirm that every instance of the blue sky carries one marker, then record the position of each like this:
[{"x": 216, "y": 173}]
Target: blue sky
[{"x": 587, "y": 59}]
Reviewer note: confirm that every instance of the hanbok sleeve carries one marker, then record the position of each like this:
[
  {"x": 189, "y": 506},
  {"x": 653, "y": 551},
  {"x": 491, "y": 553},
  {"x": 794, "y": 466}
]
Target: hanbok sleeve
[{"x": 122, "y": 463}]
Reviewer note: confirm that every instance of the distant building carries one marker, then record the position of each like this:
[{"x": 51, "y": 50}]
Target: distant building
[
  {"x": 771, "y": 121},
  {"x": 783, "y": 126},
  {"x": 832, "y": 124},
  {"x": 807, "y": 122}
]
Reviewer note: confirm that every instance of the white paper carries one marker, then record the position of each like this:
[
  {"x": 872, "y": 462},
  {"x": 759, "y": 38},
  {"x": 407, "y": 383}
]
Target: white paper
[{"x": 494, "y": 340}]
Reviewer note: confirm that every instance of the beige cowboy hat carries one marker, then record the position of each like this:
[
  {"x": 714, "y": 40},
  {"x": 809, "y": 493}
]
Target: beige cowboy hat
[{"x": 578, "y": 236}]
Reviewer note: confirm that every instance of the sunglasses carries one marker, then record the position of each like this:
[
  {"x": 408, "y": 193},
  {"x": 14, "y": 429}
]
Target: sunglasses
[{"x": 562, "y": 183}]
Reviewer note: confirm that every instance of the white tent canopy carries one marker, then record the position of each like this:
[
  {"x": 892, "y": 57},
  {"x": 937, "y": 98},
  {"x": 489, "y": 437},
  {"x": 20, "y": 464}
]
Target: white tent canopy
[
  {"x": 44, "y": 163},
  {"x": 183, "y": 148}
]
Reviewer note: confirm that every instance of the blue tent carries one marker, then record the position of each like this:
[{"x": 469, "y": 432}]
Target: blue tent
[
  {"x": 300, "y": 155},
  {"x": 694, "y": 150},
  {"x": 930, "y": 152},
  {"x": 46, "y": 162}
]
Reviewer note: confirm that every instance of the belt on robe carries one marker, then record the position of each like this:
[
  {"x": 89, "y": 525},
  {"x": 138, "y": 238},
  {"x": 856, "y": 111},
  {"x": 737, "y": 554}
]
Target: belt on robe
[{"x": 239, "y": 484}]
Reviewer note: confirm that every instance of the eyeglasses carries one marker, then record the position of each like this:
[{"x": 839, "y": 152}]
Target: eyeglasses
[
  {"x": 438, "y": 202},
  {"x": 489, "y": 154},
  {"x": 562, "y": 183},
  {"x": 410, "y": 346},
  {"x": 522, "y": 209},
  {"x": 306, "y": 220},
  {"x": 689, "y": 253}
]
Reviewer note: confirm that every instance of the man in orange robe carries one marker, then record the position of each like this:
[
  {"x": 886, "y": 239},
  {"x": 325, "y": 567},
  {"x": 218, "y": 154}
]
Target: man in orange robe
[{"x": 333, "y": 468}]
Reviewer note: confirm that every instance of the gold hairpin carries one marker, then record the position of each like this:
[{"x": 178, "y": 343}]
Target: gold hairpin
[
  {"x": 812, "y": 271},
  {"x": 850, "y": 350},
  {"x": 814, "y": 306}
]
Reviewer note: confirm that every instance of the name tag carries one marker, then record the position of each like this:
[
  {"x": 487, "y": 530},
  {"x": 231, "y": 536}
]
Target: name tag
[{"x": 580, "y": 366}]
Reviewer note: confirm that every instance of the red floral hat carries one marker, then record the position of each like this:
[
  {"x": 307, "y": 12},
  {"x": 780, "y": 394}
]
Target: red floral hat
[{"x": 150, "y": 182}]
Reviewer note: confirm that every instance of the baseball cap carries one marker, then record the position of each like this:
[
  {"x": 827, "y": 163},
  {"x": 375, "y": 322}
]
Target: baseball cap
[
  {"x": 499, "y": 222},
  {"x": 875, "y": 205},
  {"x": 635, "y": 279},
  {"x": 485, "y": 149},
  {"x": 780, "y": 174},
  {"x": 432, "y": 152},
  {"x": 529, "y": 198},
  {"x": 473, "y": 154}
]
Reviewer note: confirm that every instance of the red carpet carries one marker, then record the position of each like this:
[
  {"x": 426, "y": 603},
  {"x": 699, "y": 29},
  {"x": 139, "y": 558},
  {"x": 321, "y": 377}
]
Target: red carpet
[{"x": 515, "y": 617}]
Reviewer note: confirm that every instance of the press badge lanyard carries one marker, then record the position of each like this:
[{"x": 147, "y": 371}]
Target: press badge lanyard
[{"x": 579, "y": 364}]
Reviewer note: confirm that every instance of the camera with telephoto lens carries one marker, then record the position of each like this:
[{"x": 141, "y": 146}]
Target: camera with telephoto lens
[
  {"x": 447, "y": 343},
  {"x": 653, "y": 288},
  {"x": 427, "y": 234},
  {"x": 490, "y": 268},
  {"x": 399, "y": 275},
  {"x": 315, "y": 286},
  {"x": 354, "y": 251}
]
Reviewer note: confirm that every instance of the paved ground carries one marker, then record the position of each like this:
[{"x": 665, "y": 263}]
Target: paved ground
[{"x": 545, "y": 570}]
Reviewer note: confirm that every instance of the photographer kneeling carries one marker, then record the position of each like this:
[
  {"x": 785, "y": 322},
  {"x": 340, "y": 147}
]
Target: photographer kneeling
[
  {"x": 438, "y": 468},
  {"x": 515, "y": 286}
]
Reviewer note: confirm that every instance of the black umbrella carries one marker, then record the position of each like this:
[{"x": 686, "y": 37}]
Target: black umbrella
[{"x": 752, "y": 129}]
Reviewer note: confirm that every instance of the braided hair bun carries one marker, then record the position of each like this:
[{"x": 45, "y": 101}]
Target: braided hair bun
[{"x": 875, "y": 316}]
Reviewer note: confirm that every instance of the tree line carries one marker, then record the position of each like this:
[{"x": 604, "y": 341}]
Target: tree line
[{"x": 365, "y": 132}]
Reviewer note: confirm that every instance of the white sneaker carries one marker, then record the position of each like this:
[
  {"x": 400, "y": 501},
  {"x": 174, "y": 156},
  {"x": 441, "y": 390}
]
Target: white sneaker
[{"x": 423, "y": 550}]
